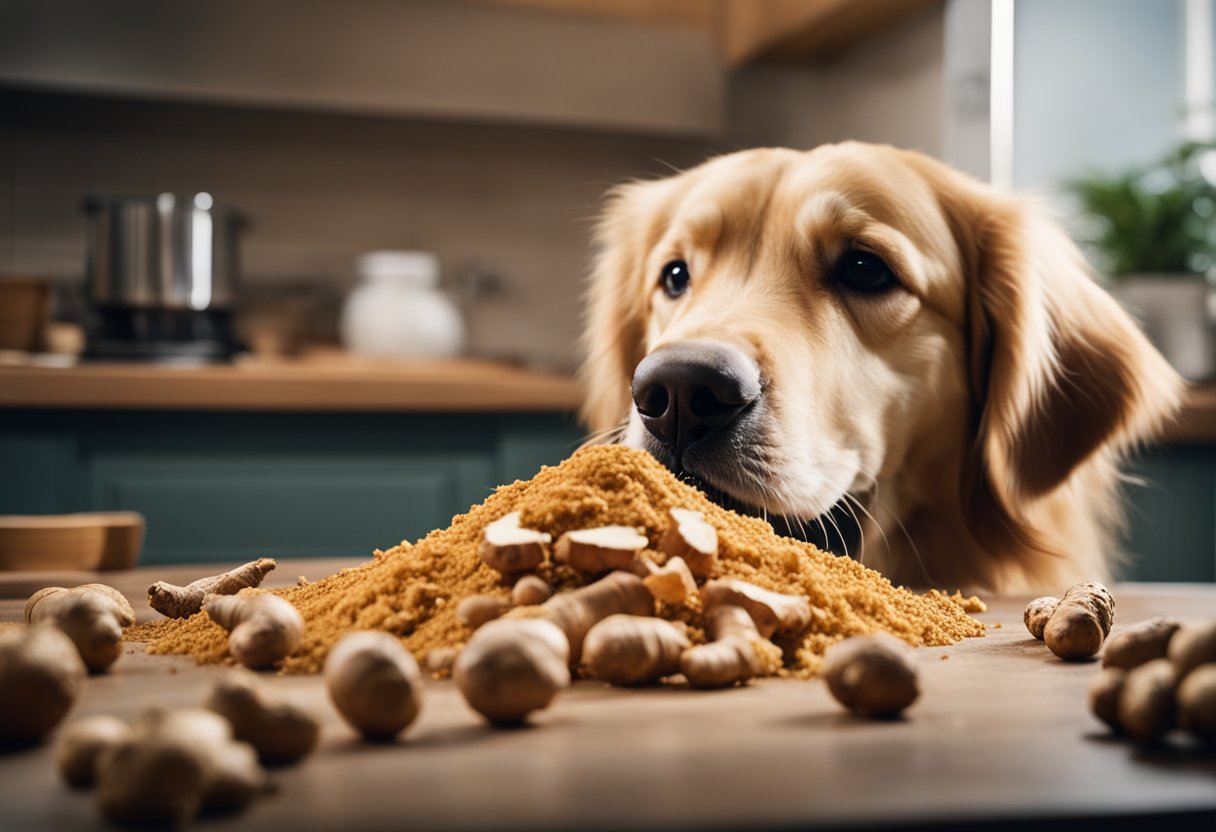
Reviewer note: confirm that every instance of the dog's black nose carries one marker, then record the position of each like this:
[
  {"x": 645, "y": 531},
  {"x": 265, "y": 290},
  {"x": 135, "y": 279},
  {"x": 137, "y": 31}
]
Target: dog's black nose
[{"x": 689, "y": 390}]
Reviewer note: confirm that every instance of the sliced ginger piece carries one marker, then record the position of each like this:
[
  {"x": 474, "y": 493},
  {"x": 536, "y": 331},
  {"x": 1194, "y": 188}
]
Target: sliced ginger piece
[
  {"x": 691, "y": 538},
  {"x": 510, "y": 548},
  {"x": 600, "y": 550},
  {"x": 672, "y": 582}
]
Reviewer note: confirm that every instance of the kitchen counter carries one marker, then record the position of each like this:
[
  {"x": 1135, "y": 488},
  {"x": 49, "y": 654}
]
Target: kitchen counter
[
  {"x": 333, "y": 382},
  {"x": 317, "y": 382},
  {"x": 1001, "y": 736}
]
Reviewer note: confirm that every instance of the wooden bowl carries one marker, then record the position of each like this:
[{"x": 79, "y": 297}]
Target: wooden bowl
[{"x": 89, "y": 541}]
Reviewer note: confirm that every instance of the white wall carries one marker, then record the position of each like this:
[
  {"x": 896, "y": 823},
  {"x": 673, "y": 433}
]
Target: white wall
[
  {"x": 888, "y": 89},
  {"x": 1098, "y": 86}
]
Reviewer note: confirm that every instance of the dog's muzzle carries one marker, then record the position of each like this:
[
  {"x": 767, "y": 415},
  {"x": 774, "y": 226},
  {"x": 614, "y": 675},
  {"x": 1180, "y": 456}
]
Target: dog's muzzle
[{"x": 688, "y": 391}]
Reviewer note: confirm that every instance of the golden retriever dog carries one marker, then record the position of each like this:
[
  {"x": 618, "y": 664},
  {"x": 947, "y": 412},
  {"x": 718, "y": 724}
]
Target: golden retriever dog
[{"x": 859, "y": 333}]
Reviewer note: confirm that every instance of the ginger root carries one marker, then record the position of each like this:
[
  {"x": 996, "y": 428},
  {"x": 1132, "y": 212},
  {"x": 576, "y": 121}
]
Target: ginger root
[
  {"x": 1080, "y": 622},
  {"x": 1192, "y": 646},
  {"x": 262, "y": 628},
  {"x": 601, "y": 549},
  {"x": 689, "y": 537},
  {"x": 1197, "y": 703},
  {"x": 1146, "y": 704},
  {"x": 733, "y": 656},
  {"x": 81, "y": 744},
  {"x": 633, "y": 650},
  {"x": 672, "y": 583},
  {"x": 438, "y": 661},
  {"x": 1169, "y": 681},
  {"x": 41, "y": 674},
  {"x": 529, "y": 591},
  {"x": 873, "y": 676},
  {"x": 184, "y": 601},
  {"x": 1104, "y": 695},
  {"x": 93, "y": 616},
  {"x": 578, "y": 611},
  {"x": 172, "y": 764},
  {"x": 279, "y": 729},
  {"x": 512, "y": 667},
  {"x": 1037, "y": 614},
  {"x": 375, "y": 683},
  {"x": 509, "y": 548},
  {"x": 476, "y": 610},
  {"x": 1140, "y": 643},
  {"x": 773, "y": 612}
]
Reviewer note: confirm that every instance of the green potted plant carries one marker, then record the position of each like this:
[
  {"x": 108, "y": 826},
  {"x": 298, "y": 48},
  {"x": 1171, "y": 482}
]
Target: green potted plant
[{"x": 1152, "y": 230}]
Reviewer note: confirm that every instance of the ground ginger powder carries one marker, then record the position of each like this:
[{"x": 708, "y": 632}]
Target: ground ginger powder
[{"x": 412, "y": 590}]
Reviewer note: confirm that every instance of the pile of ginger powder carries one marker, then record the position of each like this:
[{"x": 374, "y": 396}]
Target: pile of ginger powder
[{"x": 412, "y": 590}]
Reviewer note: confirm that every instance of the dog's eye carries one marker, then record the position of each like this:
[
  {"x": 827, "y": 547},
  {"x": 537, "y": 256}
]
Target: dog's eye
[
  {"x": 862, "y": 271},
  {"x": 675, "y": 278}
]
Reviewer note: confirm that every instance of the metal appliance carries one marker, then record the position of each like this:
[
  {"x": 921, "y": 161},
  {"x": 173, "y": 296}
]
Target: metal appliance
[{"x": 162, "y": 277}]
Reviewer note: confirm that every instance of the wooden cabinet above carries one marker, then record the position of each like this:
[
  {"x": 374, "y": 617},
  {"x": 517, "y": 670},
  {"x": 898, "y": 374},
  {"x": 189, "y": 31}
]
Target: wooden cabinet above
[
  {"x": 750, "y": 30},
  {"x": 803, "y": 30},
  {"x": 643, "y": 66},
  {"x": 404, "y": 58}
]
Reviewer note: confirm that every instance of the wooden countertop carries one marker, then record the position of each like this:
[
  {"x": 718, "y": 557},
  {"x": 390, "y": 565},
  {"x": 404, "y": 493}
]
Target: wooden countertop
[
  {"x": 318, "y": 382},
  {"x": 1000, "y": 736},
  {"x": 334, "y": 381}
]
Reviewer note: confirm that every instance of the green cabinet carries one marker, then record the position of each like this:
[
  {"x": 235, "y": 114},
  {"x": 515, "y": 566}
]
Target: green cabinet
[
  {"x": 231, "y": 486},
  {"x": 1171, "y": 515},
  {"x": 221, "y": 486}
]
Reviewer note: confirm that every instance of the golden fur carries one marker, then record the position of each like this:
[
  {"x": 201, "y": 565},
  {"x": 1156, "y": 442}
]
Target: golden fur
[{"x": 974, "y": 416}]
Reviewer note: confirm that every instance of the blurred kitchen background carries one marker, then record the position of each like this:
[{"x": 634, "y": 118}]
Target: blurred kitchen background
[{"x": 358, "y": 163}]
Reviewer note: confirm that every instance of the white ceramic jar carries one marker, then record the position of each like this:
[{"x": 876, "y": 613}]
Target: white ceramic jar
[{"x": 397, "y": 309}]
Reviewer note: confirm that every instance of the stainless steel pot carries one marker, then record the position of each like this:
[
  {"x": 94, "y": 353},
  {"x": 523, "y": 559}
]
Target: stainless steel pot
[{"x": 162, "y": 252}]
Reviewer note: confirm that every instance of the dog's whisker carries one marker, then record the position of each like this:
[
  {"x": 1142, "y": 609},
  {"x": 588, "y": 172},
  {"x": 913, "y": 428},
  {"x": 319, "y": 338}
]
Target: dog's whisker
[
  {"x": 666, "y": 164},
  {"x": 849, "y": 499},
  {"x": 606, "y": 436},
  {"x": 920, "y": 561},
  {"x": 840, "y": 534}
]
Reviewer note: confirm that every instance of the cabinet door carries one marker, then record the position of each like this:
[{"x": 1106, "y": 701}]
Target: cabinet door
[
  {"x": 230, "y": 508},
  {"x": 233, "y": 486},
  {"x": 1170, "y": 506}
]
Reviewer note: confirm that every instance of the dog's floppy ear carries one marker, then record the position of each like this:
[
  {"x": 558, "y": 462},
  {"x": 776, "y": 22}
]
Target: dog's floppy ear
[
  {"x": 1059, "y": 372},
  {"x": 615, "y": 333}
]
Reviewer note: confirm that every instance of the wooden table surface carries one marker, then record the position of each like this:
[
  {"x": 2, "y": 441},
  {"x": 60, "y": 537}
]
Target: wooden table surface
[{"x": 1000, "y": 736}]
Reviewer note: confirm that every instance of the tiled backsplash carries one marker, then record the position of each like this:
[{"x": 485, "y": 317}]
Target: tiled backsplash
[{"x": 320, "y": 189}]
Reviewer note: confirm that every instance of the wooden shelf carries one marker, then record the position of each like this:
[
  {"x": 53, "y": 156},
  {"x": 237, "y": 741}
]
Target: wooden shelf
[
  {"x": 1196, "y": 423},
  {"x": 320, "y": 383}
]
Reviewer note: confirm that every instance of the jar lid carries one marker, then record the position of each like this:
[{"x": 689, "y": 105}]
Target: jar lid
[{"x": 413, "y": 268}]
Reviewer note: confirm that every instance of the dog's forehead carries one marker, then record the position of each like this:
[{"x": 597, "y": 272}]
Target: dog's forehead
[
  {"x": 877, "y": 180},
  {"x": 732, "y": 185}
]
